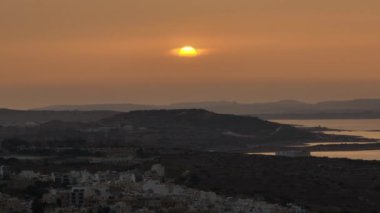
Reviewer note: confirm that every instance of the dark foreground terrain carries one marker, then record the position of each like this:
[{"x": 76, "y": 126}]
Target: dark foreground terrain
[
  {"x": 316, "y": 184},
  {"x": 319, "y": 184}
]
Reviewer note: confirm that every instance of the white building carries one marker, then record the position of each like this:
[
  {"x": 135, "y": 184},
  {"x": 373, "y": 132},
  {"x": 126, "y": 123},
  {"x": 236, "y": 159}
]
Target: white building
[
  {"x": 4, "y": 172},
  {"x": 77, "y": 196},
  {"x": 156, "y": 187},
  {"x": 28, "y": 174},
  {"x": 121, "y": 207},
  {"x": 128, "y": 177},
  {"x": 158, "y": 169}
]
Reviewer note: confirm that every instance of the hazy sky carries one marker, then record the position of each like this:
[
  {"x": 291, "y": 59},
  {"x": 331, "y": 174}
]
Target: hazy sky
[{"x": 114, "y": 51}]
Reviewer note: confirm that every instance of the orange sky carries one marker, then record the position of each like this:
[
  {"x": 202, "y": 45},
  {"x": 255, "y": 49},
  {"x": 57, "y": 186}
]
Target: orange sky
[{"x": 97, "y": 51}]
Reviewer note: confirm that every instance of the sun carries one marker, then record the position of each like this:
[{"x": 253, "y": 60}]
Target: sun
[{"x": 188, "y": 51}]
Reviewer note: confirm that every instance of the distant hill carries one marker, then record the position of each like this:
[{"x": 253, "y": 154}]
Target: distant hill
[
  {"x": 287, "y": 109},
  {"x": 21, "y": 117},
  {"x": 350, "y": 105},
  {"x": 246, "y": 109},
  {"x": 98, "y": 107}
]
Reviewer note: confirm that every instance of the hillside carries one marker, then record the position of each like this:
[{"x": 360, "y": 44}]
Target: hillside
[
  {"x": 196, "y": 119},
  {"x": 186, "y": 129},
  {"x": 201, "y": 129}
]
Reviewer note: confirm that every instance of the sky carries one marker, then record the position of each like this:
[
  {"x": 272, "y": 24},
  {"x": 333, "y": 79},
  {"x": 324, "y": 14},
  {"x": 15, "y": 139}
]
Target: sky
[{"x": 119, "y": 51}]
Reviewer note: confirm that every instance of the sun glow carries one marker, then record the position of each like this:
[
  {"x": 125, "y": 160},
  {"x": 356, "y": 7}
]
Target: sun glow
[{"x": 188, "y": 51}]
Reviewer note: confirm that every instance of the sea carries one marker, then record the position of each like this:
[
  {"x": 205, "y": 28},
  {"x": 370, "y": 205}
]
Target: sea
[{"x": 368, "y": 128}]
